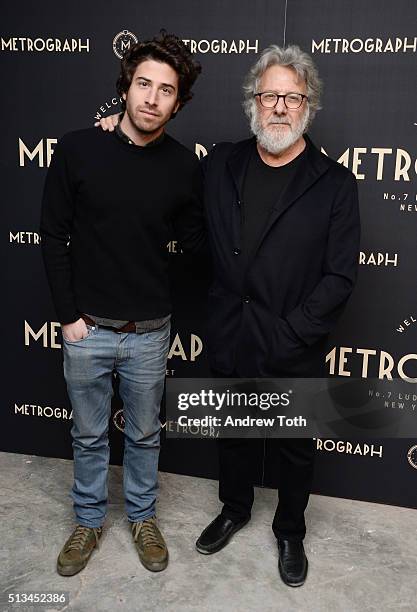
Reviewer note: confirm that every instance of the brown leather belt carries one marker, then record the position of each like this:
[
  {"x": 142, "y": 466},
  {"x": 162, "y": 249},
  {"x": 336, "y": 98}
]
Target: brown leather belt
[{"x": 129, "y": 327}]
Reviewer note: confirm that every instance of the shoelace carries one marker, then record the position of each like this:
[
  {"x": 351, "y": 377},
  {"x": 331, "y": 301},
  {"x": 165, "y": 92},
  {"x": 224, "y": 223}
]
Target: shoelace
[
  {"x": 80, "y": 536},
  {"x": 149, "y": 534}
]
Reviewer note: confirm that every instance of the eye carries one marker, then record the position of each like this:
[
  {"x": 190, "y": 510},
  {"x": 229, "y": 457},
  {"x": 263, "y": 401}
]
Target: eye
[
  {"x": 167, "y": 91},
  {"x": 142, "y": 84}
]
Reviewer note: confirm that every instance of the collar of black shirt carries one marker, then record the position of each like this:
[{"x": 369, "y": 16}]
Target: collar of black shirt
[{"x": 127, "y": 140}]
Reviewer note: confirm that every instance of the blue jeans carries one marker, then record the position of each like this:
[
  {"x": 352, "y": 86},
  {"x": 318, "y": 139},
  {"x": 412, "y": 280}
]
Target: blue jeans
[{"x": 140, "y": 361}]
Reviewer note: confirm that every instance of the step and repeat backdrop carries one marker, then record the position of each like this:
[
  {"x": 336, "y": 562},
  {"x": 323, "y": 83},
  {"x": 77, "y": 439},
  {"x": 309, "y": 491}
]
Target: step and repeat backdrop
[{"x": 59, "y": 68}]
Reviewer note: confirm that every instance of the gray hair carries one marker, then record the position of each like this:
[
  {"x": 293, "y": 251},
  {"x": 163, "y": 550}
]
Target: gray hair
[{"x": 289, "y": 57}]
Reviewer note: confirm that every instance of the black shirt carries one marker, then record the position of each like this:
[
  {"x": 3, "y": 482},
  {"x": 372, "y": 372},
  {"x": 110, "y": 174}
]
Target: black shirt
[
  {"x": 141, "y": 326},
  {"x": 262, "y": 190},
  {"x": 109, "y": 210}
]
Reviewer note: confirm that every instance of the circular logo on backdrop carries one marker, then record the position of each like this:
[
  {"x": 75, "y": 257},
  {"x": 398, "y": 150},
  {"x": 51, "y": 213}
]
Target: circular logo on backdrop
[
  {"x": 122, "y": 42},
  {"x": 412, "y": 456},
  {"x": 119, "y": 420}
]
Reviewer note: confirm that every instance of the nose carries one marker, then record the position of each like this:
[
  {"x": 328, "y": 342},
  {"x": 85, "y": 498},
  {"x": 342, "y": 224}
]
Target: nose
[
  {"x": 280, "y": 107},
  {"x": 152, "y": 97}
]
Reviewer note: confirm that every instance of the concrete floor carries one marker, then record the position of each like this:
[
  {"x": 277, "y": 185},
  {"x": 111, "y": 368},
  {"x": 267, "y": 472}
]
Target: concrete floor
[{"x": 362, "y": 556}]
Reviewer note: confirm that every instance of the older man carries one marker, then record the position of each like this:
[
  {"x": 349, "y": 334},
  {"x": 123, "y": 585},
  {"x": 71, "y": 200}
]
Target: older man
[{"x": 283, "y": 223}]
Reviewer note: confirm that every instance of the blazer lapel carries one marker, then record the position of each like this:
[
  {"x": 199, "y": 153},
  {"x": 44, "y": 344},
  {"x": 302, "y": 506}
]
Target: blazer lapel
[
  {"x": 238, "y": 164},
  {"x": 313, "y": 166}
]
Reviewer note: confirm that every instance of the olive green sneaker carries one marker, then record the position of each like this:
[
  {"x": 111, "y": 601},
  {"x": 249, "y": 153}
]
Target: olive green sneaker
[
  {"x": 150, "y": 544},
  {"x": 77, "y": 550}
]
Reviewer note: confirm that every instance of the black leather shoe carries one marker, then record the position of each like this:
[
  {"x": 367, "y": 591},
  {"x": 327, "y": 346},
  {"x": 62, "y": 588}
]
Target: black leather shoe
[
  {"x": 216, "y": 535},
  {"x": 292, "y": 562}
]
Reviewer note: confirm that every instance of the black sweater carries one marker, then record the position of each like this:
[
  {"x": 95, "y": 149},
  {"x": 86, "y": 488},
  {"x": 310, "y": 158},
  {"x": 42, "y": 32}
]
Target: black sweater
[{"x": 109, "y": 210}]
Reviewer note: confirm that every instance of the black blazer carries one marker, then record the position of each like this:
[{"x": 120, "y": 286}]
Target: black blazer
[{"x": 271, "y": 317}]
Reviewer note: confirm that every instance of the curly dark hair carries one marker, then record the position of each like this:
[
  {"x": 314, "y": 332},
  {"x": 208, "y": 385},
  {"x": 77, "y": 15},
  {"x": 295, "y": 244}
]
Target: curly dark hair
[{"x": 165, "y": 48}]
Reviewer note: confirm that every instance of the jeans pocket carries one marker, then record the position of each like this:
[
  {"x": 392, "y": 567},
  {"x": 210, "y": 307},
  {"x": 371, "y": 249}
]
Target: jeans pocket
[
  {"x": 161, "y": 334},
  {"x": 89, "y": 329}
]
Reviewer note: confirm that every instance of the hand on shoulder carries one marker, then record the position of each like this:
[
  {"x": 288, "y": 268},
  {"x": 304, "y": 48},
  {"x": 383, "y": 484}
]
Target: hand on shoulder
[{"x": 108, "y": 123}]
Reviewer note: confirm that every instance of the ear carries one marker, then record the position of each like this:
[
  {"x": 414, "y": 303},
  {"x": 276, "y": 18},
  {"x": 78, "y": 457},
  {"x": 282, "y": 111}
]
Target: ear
[
  {"x": 124, "y": 96},
  {"x": 176, "y": 107}
]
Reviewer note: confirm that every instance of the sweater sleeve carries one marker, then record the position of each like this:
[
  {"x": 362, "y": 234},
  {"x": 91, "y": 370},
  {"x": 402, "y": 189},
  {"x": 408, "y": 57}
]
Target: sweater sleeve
[
  {"x": 189, "y": 225},
  {"x": 55, "y": 229}
]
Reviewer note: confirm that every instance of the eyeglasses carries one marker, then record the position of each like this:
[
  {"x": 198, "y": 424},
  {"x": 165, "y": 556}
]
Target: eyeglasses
[{"x": 269, "y": 99}]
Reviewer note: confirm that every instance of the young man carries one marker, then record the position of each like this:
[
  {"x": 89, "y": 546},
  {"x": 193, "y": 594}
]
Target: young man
[{"x": 109, "y": 205}]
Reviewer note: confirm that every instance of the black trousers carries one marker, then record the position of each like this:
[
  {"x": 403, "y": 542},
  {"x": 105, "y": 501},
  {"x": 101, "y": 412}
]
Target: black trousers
[
  {"x": 294, "y": 462},
  {"x": 294, "y": 459}
]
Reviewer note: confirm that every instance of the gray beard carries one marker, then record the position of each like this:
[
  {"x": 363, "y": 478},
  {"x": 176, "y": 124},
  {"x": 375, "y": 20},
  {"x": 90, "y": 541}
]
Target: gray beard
[{"x": 274, "y": 141}]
